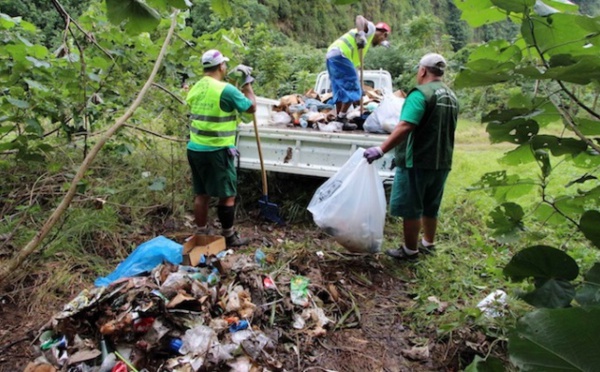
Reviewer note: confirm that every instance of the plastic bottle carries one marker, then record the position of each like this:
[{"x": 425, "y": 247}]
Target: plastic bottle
[
  {"x": 175, "y": 344},
  {"x": 214, "y": 277},
  {"x": 242, "y": 324}
]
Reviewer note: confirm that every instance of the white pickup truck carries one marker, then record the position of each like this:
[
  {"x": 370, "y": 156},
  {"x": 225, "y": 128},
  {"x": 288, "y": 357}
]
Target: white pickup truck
[{"x": 308, "y": 151}]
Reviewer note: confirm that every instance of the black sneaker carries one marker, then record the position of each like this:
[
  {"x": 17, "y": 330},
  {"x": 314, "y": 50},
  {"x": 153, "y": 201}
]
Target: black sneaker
[
  {"x": 345, "y": 124},
  {"x": 236, "y": 240},
  {"x": 400, "y": 254},
  {"x": 426, "y": 250},
  {"x": 349, "y": 126}
]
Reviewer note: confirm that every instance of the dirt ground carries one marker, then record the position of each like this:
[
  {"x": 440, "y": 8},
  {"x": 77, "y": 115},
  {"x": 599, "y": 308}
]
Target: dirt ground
[{"x": 375, "y": 334}]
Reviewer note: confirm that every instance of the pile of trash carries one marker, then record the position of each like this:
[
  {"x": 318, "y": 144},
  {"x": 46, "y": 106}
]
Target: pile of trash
[
  {"x": 233, "y": 312},
  {"x": 315, "y": 111}
]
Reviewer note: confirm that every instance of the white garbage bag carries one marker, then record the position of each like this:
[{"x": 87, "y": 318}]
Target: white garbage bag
[
  {"x": 351, "y": 206},
  {"x": 386, "y": 115}
]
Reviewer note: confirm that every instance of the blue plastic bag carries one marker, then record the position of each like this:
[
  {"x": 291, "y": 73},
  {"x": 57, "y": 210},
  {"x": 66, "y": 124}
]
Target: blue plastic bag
[{"x": 144, "y": 258}]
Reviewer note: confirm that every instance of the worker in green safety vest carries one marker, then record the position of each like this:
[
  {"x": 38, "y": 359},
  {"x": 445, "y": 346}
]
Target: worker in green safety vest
[
  {"x": 343, "y": 58},
  {"x": 211, "y": 151}
]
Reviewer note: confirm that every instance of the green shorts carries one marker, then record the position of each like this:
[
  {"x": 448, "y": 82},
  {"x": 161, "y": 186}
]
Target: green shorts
[
  {"x": 213, "y": 173},
  {"x": 417, "y": 192}
]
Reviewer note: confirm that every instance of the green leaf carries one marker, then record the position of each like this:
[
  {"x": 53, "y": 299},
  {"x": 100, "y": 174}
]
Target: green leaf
[
  {"x": 6, "y": 128},
  {"x": 588, "y": 127},
  {"x": 502, "y": 116},
  {"x": 36, "y": 85},
  {"x": 557, "y": 340},
  {"x": 479, "y": 12},
  {"x": 489, "y": 364},
  {"x": 541, "y": 262},
  {"x": 563, "y": 34},
  {"x": 589, "y": 225},
  {"x": 159, "y": 184},
  {"x": 558, "y": 146},
  {"x": 551, "y": 294},
  {"x": 139, "y": 17},
  {"x": 34, "y": 126},
  {"x": 507, "y": 222},
  {"x": 222, "y": 8},
  {"x": 18, "y": 103},
  {"x": 520, "y": 155},
  {"x": 589, "y": 292},
  {"x": 515, "y": 6},
  {"x": 179, "y": 4},
  {"x": 517, "y": 131}
]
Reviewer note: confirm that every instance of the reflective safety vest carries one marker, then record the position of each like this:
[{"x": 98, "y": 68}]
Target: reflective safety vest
[
  {"x": 210, "y": 125},
  {"x": 347, "y": 44}
]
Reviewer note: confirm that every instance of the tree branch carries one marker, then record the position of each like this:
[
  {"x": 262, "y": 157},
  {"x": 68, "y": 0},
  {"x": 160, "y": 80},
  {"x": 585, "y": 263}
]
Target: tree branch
[
  {"x": 174, "y": 139},
  {"x": 169, "y": 93},
  {"x": 33, "y": 244}
]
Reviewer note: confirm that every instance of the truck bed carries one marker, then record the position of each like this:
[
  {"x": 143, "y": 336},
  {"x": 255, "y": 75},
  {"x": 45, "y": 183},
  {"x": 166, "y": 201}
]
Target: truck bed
[{"x": 307, "y": 151}]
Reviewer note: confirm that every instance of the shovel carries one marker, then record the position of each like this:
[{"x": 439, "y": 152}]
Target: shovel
[
  {"x": 269, "y": 211},
  {"x": 360, "y": 56}
]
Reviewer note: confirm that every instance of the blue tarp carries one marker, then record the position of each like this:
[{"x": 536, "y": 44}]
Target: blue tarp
[{"x": 144, "y": 258}]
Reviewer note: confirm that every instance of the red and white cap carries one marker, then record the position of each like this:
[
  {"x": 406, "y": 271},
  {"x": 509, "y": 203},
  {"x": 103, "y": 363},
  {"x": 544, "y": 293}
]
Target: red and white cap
[
  {"x": 213, "y": 58},
  {"x": 383, "y": 26}
]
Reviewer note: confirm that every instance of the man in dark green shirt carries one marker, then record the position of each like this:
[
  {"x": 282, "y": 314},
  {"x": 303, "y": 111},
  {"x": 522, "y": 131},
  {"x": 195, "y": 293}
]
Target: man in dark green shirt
[{"x": 424, "y": 143}]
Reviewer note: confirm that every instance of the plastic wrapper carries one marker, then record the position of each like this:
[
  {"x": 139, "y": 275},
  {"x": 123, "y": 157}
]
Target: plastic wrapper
[
  {"x": 281, "y": 118},
  {"x": 351, "y": 206}
]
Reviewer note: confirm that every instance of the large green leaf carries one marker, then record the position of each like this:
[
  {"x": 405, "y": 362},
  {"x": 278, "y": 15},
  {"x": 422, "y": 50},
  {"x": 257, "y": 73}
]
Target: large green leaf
[
  {"x": 489, "y": 364},
  {"x": 543, "y": 263},
  {"x": 137, "y": 15},
  {"x": 558, "y": 146},
  {"x": 517, "y": 131},
  {"x": 520, "y": 155},
  {"x": 504, "y": 187},
  {"x": 507, "y": 222},
  {"x": 590, "y": 226},
  {"x": 561, "y": 33},
  {"x": 551, "y": 294},
  {"x": 588, "y": 127},
  {"x": 502, "y": 116},
  {"x": 222, "y": 8},
  {"x": 557, "y": 340},
  {"x": 589, "y": 292},
  {"x": 515, "y": 6},
  {"x": 479, "y": 12},
  {"x": 18, "y": 103}
]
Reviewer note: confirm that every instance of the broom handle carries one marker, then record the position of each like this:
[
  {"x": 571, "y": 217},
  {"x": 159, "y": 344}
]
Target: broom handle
[
  {"x": 360, "y": 56},
  {"x": 260, "y": 156}
]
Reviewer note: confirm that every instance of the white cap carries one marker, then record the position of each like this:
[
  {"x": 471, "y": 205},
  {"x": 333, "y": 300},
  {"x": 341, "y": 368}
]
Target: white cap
[
  {"x": 213, "y": 58},
  {"x": 433, "y": 60}
]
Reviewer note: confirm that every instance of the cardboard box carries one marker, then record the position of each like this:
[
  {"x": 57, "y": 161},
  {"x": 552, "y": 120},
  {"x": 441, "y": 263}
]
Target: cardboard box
[{"x": 197, "y": 245}]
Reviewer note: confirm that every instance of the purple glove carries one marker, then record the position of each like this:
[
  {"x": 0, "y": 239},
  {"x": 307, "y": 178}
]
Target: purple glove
[
  {"x": 233, "y": 152},
  {"x": 373, "y": 153}
]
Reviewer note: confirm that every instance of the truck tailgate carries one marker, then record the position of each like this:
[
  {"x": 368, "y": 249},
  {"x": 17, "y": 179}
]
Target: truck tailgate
[{"x": 307, "y": 151}]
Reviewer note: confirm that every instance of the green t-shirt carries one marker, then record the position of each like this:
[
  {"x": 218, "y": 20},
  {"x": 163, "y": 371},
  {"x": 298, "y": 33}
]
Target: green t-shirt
[
  {"x": 232, "y": 99},
  {"x": 413, "y": 108}
]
